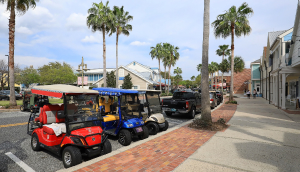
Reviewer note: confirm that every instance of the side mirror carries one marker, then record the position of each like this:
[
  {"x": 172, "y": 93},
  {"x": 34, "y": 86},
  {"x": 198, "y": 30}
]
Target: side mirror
[{"x": 60, "y": 114}]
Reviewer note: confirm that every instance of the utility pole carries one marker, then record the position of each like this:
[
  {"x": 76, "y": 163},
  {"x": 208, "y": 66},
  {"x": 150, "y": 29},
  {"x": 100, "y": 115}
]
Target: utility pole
[
  {"x": 7, "y": 70},
  {"x": 84, "y": 69}
]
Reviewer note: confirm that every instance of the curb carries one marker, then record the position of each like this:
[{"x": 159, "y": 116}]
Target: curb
[{"x": 125, "y": 148}]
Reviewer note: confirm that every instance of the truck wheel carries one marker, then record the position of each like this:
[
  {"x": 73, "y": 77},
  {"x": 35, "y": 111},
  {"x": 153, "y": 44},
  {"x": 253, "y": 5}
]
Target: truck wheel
[
  {"x": 35, "y": 144},
  {"x": 106, "y": 147},
  {"x": 192, "y": 113},
  {"x": 71, "y": 156},
  {"x": 145, "y": 133},
  {"x": 125, "y": 137},
  {"x": 153, "y": 128},
  {"x": 166, "y": 126},
  {"x": 22, "y": 108},
  {"x": 168, "y": 113}
]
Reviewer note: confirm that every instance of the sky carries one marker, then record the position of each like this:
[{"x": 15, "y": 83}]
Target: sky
[{"x": 57, "y": 31}]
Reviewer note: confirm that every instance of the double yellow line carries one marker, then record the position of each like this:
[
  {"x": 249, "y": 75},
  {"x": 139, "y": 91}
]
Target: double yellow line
[{"x": 12, "y": 125}]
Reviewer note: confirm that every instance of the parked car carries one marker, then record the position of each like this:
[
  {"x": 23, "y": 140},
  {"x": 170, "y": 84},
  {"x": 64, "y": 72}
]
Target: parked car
[
  {"x": 213, "y": 99},
  {"x": 219, "y": 96},
  {"x": 5, "y": 94},
  {"x": 185, "y": 102}
]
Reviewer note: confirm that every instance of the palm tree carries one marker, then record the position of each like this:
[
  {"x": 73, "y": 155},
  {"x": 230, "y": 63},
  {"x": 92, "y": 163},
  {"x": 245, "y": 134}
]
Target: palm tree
[
  {"x": 239, "y": 64},
  {"x": 215, "y": 68},
  {"x": 21, "y": 6},
  {"x": 233, "y": 22},
  {"x": 224, "y": 66},
  {"x": 172, "y": 55},
  {"x": 205, "y": 110},
  {"x": 157, "y": 52},
  {"x": 177, "y": 71},
  {"x": 165, "y": 64},
  {"x": 100, "y": 19},
  {"x": 223, "y": 51},
  {"x": 120, "y": 26}
]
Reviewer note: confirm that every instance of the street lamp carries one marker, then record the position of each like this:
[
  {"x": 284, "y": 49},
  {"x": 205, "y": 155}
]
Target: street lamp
[
  {"x": 8, "y": 70},
  {"x": 84, "y": 69}
]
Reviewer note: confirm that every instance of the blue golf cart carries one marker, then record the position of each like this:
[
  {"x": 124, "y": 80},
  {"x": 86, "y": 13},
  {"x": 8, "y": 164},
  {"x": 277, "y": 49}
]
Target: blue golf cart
[{"x": 122, "y": 114}]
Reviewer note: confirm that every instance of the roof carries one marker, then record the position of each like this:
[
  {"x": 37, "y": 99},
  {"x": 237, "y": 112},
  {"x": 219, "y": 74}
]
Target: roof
[
  {"x": 134, "y": 72},
  {"x": 146, "y": 67},
  {"x": 144, "y": 90},
  {"x": 117, "y": 91},
  {"x": 256, "y": 61},
  {"x": 99, "y": 70},
  {"x": 273, "y": 36},
  {"x": 296, "y": 25},
  {"x": 57, "y": 90}
]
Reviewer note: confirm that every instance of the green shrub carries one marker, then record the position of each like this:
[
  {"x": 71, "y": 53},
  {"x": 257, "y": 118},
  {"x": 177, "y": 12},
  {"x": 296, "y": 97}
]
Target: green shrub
[{"x": 231, "y": 102}]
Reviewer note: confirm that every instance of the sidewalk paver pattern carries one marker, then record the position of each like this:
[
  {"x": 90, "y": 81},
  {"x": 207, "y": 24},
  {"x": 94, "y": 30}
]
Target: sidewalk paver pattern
[{"x": 164, "y": 153}]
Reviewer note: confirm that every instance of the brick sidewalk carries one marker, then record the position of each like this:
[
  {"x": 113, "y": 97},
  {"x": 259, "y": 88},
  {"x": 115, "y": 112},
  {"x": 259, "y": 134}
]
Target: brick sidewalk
[{"x": 164, "y": 153}]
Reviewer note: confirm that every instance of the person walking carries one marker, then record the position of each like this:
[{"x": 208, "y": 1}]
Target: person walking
[
  {"x": 248, "y": 94},
  {"x": 254, "y": 94}
]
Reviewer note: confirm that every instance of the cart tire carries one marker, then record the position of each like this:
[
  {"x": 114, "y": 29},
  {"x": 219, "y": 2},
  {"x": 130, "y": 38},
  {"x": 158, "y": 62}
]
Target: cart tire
[
  {"x": 22, "y": 108},
  {"x": 125, "y": 137},
  {"x": 166, "y": 126},
  {"x": 145, "y": 133},
  {"x": 168, "y": 113},
  {"x": 71, "y": 156},
  {"x": 35, "y": 144},
  {"x": 192, "y": 113},
  {"x": 153, "y": 128},
  {"x": 106, "y": 147}
]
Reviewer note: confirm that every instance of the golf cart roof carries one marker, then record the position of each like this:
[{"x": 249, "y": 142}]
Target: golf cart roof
[
  {"x": 105, "y": 91},
  {"x": 58, "y": 90},
  {"x": 143, "y": 91}
]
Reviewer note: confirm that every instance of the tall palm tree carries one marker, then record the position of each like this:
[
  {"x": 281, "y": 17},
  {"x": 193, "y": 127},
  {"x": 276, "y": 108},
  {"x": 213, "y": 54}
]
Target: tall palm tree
[
  {"x": 224, "y": 66},
  {"x": 157, "y": 52},
  {"x": 173, "y": 56},
  {"x": 165, "y": 64},
  {"x": 199, "y": 67},
  {"x": 233, "y": 22},
  {"x": 205, "y": 110},
  {"x": 223, "y": 51},
  {"x": 178, "y": 71},
  {"x": 100, "y": 19},
  {"x": 120, "y": 26},
  {"x": 215, "y": 68},
  {"x": 239, "y": 64},
  {"x": 21, "y": 6}
]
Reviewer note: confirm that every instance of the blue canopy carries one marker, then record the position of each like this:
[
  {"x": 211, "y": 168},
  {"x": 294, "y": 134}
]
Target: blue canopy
[{"x": 104, "y": 91}]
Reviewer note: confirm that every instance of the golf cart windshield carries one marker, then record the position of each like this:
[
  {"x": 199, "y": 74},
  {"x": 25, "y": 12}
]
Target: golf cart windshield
[
  {"x": 131, "y": 104},
  {"x": 154, "y": 102},
  {"x": 82, "y": 110}
]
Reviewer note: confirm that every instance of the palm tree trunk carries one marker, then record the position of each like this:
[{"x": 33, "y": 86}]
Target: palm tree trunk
[
  {"x": 232, "y": 62},
  {"x": 205, "y": 110},
  {"x": 169, "y": 78},
  {"x": 165, "y": 77},
  {"x": 12, "y": 25},
  {"x": 159, "y": 74},
  {"x": 222, "y": 75},
  {"x": 104, "y": 56},
  {"x": 117, "y": 74}
]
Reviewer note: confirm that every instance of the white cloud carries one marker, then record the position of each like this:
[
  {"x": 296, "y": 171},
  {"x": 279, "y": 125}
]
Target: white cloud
[
  {"x": 138, "y": 43},
  {"x": 76, "y": 21},
  {"x": 24, "y": 30},
  {"x": 90, "y": 39},
  {"x": 35, "y": 61}
]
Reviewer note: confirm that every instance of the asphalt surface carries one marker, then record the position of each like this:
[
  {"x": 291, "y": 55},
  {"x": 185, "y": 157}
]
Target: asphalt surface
[{"x": 15, "y": 139}]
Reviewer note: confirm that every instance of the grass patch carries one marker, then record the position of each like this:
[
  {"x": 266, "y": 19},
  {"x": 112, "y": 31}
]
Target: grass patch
[
  {"x": 5, "y": 103},
  {"x": 56, "y": 101},
  {"x": 231, "y": 102}
]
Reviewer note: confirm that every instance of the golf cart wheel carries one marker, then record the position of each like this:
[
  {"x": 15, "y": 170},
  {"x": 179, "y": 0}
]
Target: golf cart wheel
[
  {"x": 192, "y": 113},
  {"x": 106, "y": 147},
  {"x": 168, "y": 113},
  {"x": 71, "y": 156},
  {"x": 166, "y": 126},
  {"x": 145, "y": 133},
  {"x": 22, "y": 108},
  {"x": 35, "y": 144},
  {"x": 125, "y": 137},
  {"x": 153, "y": 128}
]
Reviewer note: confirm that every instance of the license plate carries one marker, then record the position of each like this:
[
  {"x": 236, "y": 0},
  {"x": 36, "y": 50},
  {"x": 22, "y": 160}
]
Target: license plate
[
  {"x": 139, "y": 129},
  {"x": 173, "y": 110}
]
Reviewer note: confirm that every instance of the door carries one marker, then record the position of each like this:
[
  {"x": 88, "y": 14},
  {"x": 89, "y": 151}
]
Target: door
[{"x": 257, "y": 88}]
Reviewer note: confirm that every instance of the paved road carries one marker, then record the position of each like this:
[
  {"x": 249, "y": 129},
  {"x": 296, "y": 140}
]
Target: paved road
[{"x": 14, "y": 139}]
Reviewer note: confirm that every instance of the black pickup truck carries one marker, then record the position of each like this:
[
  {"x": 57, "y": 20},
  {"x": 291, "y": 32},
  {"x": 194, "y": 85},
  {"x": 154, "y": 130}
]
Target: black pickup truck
[{"x": 182, "y": 102}]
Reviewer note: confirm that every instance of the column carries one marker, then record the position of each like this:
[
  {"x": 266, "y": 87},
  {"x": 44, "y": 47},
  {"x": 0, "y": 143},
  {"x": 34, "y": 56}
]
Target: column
[
  {"x": 283, "y": 91},
  {"x": 275, "y": 92}
]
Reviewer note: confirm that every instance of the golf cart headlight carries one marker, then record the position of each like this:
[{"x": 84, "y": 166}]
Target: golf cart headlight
[
  {"x": 142, "y": 122},
  {"x": 76, "y": 140},
  {"x": 130, "y": 125}
]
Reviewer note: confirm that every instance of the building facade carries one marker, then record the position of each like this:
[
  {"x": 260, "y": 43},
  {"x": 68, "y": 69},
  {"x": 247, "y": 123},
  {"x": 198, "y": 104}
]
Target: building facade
[{"x": 255, "y": 76}]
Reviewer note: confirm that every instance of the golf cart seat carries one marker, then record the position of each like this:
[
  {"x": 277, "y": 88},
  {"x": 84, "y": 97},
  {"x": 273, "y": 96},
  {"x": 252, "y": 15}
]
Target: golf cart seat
[
  {"x": 110, "y": 117},
  {"x": 107, "y": 105},
  {"x": 48, "y": 117}
]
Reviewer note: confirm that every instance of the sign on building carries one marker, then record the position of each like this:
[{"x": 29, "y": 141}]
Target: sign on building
[{"x": 85, "y": 80}]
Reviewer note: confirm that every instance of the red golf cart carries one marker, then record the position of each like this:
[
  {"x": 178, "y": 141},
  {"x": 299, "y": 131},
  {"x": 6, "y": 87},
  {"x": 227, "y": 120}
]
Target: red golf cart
[{"x": 68, "y": 129}]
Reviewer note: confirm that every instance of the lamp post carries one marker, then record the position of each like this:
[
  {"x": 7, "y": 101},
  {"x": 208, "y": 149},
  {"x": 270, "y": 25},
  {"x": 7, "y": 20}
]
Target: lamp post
[
  {"x": 7, "y": 70},
  {"x": 84, "y": 69}
]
